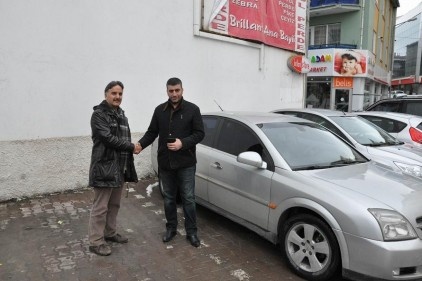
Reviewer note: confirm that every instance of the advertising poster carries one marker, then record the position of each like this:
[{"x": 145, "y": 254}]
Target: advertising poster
[
  {"x": 350, "y": 63},
  {"x": 340, "y": 63},
  {"x": 278, "y": 23}
]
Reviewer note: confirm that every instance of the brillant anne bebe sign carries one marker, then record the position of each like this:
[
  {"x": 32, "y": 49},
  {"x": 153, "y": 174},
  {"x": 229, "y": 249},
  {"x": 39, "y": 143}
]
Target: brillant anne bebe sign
[{"x": 278, "y": 23}]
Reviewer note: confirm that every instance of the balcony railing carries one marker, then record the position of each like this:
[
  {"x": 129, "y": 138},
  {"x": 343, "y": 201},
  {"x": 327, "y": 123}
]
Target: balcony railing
[
  {"x": 332, "y": 46},
  {"x": 319, "y": 3}
]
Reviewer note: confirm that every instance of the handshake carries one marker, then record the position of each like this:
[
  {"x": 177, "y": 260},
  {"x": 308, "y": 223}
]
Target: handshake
[{"x": 137, "y": 149}]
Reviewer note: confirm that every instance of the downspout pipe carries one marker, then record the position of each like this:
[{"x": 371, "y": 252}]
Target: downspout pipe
[{"x": 362, "y": 21}]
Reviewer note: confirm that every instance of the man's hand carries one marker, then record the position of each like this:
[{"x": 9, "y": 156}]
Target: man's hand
[
  {"x": 138, "y": 148},
  {"x": 175, "y": 146}
]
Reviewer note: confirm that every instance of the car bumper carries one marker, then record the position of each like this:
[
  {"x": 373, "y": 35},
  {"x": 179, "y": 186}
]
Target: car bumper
[{"x": 380, "y": 260}]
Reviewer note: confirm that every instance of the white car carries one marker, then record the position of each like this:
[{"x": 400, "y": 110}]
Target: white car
[
  {"x": 404, "y": 127},
  {"x": 332, "y": 211},
  {"x": 397, "y": 94},
  {"x": 369, "y": 139}
]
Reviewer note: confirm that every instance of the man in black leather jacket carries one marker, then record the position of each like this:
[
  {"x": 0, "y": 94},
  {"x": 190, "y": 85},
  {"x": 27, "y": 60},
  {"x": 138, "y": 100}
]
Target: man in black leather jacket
[
  {"x": 111, "y": 165},
  {"x": 178, "y": 123}
]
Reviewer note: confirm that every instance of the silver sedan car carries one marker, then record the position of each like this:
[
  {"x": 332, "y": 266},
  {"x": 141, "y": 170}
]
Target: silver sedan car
[
  {"x": 369, "y": 139},
  {"x": 332, "y": 211}
]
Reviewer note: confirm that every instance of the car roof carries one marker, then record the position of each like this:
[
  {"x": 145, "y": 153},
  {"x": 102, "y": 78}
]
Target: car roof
[
  {"x": 410, "y": 97},
  {"x": 389, "y": 114},
  {"x": 318, "y": 111},
  {"x": 400, "y": 98},
  {"x": 256, "y": 117}
]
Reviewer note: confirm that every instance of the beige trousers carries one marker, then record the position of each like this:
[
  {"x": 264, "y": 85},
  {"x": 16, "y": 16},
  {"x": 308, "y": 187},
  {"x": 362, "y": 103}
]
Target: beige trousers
[{"x": 102, "y": 221}]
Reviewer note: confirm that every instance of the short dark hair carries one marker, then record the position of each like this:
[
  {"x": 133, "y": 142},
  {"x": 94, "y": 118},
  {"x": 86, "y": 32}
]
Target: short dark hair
[
  {"x": 174, "y": 81},
  {"x": 112, "y": 84}
]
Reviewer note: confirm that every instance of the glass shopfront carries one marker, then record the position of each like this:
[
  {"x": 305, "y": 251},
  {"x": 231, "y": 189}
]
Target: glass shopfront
[{"x": 318, "y": 92}]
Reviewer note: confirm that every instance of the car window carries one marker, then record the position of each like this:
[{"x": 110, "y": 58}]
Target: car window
[
  {"x": 235, "y": 138},
  {"x": 317, "y": 119},
  {"x": 419, "y": 126},
  {"x": 390, "y": 125},
  {"x": 391, "y": 106},
  {"x": 324, "y": 122},
  {"x": 309, "y": 146},
  {"x": 363, "y": 131},
  {"x": 210, "y": 128},
  {"x": 414, "y": 107}
]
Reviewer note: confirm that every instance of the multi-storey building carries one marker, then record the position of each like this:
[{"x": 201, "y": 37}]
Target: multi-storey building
[
  {"x": 351, "y": 50},
  {"x": 407, "y": 67}
]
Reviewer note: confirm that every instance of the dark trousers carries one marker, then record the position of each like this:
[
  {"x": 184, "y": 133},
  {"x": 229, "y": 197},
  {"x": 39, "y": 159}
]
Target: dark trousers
[{"x": 184, "y": 180}]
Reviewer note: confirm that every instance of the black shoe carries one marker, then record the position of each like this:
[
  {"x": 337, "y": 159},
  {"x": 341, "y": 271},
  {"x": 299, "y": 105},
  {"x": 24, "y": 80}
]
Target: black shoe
[
  {"x": 193, "y": 239},
  {"x": 169, "y": 235}
]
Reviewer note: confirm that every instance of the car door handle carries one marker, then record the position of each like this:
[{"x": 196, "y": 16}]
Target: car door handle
[{"x": 216, "y": 165}]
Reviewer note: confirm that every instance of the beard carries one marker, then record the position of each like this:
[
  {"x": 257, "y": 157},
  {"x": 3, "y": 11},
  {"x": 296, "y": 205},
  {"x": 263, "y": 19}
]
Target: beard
[{"x": 175, "y": 101}]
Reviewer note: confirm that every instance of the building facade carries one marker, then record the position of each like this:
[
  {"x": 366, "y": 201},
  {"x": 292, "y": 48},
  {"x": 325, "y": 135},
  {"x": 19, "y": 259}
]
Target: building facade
[
  {"x": 56, "y": 58},
  {"x": 350, "y": 49},
  {"x": 407, "y": 67}
]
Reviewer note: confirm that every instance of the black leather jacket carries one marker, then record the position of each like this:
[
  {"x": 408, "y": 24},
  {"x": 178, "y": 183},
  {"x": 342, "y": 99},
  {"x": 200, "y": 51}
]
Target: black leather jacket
[
  {"x": 185, "y": 123},
  {"x": 105, "y": 169}
]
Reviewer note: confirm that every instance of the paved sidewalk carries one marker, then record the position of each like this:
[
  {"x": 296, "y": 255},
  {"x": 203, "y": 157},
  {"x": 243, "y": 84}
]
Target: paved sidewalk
[{"x": 45, "y": 238}]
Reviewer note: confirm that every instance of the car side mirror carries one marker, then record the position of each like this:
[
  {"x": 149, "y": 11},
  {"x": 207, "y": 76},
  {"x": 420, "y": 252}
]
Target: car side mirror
[{"x": 251, "y": 158}]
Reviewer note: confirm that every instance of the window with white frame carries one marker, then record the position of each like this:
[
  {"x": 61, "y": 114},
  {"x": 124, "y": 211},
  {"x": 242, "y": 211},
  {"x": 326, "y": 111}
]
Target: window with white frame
[{"x": 325, "y": 34}]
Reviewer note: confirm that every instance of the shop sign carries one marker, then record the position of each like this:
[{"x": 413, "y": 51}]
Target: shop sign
[
  {"x": 341, "y": 63},
  {"x": 343, "y": 82},
  {"x": 278, "y": 23},
  {"x": 299, "y": 64},
  {"x": 321, "y": 62}
]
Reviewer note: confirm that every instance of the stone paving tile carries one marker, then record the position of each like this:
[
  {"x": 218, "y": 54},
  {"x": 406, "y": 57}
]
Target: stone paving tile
[{"x": 45, "y": 238}]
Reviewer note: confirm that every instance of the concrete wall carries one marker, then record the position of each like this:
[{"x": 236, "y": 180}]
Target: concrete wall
[
  {"x": 57, "y": 56},
  {"x": 29, "y": 167}
]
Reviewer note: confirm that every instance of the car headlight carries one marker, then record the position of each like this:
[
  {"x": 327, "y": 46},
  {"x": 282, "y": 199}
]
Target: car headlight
[
  {"x": 413, "y": 170},
  {"x": 393, "y": 226}
]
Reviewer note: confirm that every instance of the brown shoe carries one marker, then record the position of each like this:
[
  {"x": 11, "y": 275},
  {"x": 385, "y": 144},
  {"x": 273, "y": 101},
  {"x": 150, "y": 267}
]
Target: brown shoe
[
  {"x": 118, "y": 238},
  {"x": 101, "y": 250}
]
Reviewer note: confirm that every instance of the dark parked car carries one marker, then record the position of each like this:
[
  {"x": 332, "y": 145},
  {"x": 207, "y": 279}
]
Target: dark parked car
[{"x": 411, "y": 104}]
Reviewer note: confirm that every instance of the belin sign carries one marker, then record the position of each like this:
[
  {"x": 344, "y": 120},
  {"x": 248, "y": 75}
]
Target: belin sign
[{"x": 299, "y": 64}]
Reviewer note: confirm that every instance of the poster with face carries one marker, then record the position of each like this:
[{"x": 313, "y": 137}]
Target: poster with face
[{"x": 350, "y": 63}]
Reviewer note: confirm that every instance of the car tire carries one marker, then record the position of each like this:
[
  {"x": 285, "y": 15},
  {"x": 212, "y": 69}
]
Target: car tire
[{"x": 298, "y": 239}]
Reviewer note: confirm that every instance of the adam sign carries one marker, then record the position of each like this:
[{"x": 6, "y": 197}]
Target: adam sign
[{"x": 279, "y": 23}]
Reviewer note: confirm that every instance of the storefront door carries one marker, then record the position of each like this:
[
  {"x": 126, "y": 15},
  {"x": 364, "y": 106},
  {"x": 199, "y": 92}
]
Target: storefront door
[{"x": 342, "y": 100}]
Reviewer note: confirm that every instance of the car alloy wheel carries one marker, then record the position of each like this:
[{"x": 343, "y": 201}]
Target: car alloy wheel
[{"x": 310, "y": 247}]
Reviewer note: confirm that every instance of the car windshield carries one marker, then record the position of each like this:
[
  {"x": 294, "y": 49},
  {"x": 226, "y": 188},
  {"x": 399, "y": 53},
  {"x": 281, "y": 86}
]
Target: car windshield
[
  {"x": 365, "y": 132},
  {"x": 307, "y": 146}
]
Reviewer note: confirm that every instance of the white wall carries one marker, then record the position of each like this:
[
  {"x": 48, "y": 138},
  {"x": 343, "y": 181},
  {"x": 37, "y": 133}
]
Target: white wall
[{"x": 57, "y": 56}]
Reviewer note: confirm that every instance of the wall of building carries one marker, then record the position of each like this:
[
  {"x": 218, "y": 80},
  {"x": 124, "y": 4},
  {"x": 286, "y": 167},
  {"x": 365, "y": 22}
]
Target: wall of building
[
  {"x": 350, "y": 23},
  {"x": 57, "y": 56}
]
